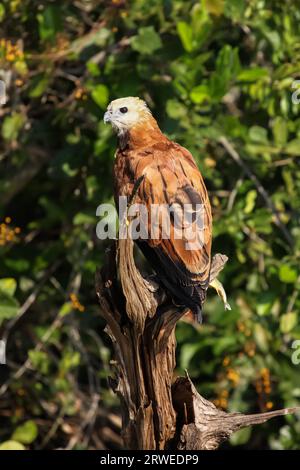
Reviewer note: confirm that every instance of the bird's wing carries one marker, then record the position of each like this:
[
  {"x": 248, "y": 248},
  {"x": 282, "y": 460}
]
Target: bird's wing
[{"x": 171, "y": 178}]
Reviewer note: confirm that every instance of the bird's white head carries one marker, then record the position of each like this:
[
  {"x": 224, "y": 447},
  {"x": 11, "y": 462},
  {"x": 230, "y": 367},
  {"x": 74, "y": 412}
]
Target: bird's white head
[{"x": 125, "y": 113}]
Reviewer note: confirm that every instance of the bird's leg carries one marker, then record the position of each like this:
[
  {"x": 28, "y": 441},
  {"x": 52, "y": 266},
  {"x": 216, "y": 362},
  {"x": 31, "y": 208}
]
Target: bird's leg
[{"x": 217, "y": 285}]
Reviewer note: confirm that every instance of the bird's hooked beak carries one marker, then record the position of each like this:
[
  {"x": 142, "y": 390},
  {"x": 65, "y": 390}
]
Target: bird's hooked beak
[{"x": 107, "y": 117}]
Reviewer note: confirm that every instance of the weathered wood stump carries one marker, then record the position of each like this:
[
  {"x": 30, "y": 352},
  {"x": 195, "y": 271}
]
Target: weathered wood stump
[{"x": 157, "y": 412}]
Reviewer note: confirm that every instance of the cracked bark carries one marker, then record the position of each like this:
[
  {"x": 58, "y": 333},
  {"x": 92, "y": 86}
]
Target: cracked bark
[{"x": 157, "y": 412}]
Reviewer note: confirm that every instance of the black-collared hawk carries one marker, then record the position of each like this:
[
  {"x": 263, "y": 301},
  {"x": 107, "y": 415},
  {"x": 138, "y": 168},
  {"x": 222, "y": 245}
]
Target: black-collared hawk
[{"x": 159, "y": 171}]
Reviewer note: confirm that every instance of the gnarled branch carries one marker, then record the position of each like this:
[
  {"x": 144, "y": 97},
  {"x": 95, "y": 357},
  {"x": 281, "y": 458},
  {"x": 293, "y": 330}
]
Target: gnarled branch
[{"x": 141, "y": 320}]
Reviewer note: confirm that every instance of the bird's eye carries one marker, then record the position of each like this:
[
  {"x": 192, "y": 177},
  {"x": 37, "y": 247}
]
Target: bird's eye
[{"x": 124, "y": 110}]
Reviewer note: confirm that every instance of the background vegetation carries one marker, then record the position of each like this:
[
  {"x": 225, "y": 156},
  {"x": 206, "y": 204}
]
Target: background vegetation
[{"x": 207, "y": 69}]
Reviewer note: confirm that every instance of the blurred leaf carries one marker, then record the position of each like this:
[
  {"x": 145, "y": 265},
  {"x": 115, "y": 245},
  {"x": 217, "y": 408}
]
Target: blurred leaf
[
  {"x": 100, "y": 95},
  {"x": 8, "y": 286},
  {"x": 147, "y": 41},
  {"x": 293, "y": 147},
  {"x": 83, "y": 218},
  {"x": 240, "y": 437},
  {"x": 288, "y": 321},
  {"x": 98, "y": 37},
  {"x": 187, "y": 353},
  {"x": 50, "y": 22},
  {"x": 287, "y": 274},
  {"x": 40, "y": 361},
  {"x": 93, "y": 69},
  {"x": 65, "y": 309},
  {"x": 234, "y": 9},
  {"x": 261, "y": 337},
  {"x": 26, "y": 433},
  {"x": 175, "y": 109},
  {"x": 185, "y": 33},
  {"x": 224, "y": 345},
  {"x": 265, "y": 302},
  {"x": 258, "y": 134},
  {"x": 250, "y": 201},
  {"x": 12, "y": 125},
  {"x": 215, "y": 7},
  {"x": 39, "y": 85},
  {"x": 253, "y": 74},
  {"x": 8, "y": 306},
  {"x": 280, "y": 131},
  {"x": 200, "y": 94},
  {"x": 11, "y": 445},
  {"x": 2, "y": 12},
  {"x": 70, "y": 360}
]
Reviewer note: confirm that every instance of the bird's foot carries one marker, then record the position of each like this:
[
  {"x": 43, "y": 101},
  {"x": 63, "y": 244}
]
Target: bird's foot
[{"x": 217, "y": 285}]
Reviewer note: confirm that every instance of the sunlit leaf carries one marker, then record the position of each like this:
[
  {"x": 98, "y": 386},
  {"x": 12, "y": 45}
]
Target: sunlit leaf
[
  {"x": 11, "y": 445},
  {"x": 12, "y": 125},
  {"x": 287, "y": 273},
  {"x": 293, "y": 147},
  {"x": 100, "y": 95},
  {"x": 147, "y": 40},
  {"x": 288, "y": 321},
  {"x": 280, "y": 131},
  {"x": 250, "y": 201},
  {"x": 253, "y": 74},
  {"x": 185, "y": 33},
  {"x": 8, "y": 286},
  {"x": 26, "y": 433}
]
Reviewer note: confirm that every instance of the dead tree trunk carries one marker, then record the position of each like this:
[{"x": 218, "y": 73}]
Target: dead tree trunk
[{"x": 157, "y": 413}]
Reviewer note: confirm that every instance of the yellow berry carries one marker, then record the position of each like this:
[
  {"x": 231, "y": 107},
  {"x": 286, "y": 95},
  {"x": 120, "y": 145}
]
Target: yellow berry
[
  {"x": 10, "y": 57},
  {"x": 264, "y": 372},
  {"x": 226, "y": 361}
]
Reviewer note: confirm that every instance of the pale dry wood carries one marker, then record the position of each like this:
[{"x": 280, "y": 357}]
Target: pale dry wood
[
  {"x": 205, "y": 427},
  {"x": 141, "y": 320}
]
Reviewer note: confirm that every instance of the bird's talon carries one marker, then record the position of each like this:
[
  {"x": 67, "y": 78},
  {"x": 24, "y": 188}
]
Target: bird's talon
[{"x": 217, "y": 285}]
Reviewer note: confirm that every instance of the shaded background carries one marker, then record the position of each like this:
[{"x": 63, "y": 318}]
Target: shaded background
[{"x": 207, "y": 69}]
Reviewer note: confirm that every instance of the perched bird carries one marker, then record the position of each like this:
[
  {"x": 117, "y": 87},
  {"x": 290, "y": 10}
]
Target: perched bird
[{"x": 156, "y": 170}]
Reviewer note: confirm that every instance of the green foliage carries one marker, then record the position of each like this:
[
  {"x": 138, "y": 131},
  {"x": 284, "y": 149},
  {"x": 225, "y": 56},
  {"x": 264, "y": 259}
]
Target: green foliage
[
  {"x": 12, "y": 125},
  {"x": 100, "y": 95},
  {"x": 8, "y": 304},
  {"x": 26, "y": 433},
  {"x": 207, "y": 69},
  {"x": 146, "y": 41},
  {"x": 11, "y": 445}
]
